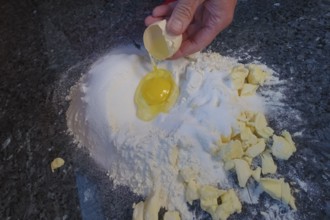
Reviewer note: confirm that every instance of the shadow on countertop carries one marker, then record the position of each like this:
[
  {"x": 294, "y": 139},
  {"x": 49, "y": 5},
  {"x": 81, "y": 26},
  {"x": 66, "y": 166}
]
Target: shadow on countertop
[{"x": 46, "y": 46}]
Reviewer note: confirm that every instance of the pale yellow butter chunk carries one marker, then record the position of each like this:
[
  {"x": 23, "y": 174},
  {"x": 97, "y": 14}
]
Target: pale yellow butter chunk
[
  {"x": 152, "y": 206},
  {"x": 172, "y": 215},
  {"x": 256, "y": 76},
  {"x": 238, "y": 75},
  {"x": 267, "y": 163},
  {"x": 229, "y": 205},
  {"x": 191, "y": 192},
  {"x": 256, "y": 149},
  {"x": 209, "y": 197},
  {"x": 229, "y": 165},
  {"x": 56, "y": 163},
  {"x": 243, "y": 171},
  {"x": 279, "y": 190},
  {"x": 138, "y": 212},
  {"x": 265, "y": 132},
  {"x": 282, "y": 148},
  {"x": 287, "y": 197},
  {"x": 248, "y": 89},
  {"x": 287, "y": 136},
  {"x": 246, "y": 135},
  {"x": 248, "y": 159},
  {"x": 256, "y": 174},
  {"x": 231, "y": 150},
  {"x": 260, "y": 121}
]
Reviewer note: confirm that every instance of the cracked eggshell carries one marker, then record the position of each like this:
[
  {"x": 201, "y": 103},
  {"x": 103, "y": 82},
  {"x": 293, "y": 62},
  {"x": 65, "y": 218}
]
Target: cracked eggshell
[{"x": 159, "y": 43}]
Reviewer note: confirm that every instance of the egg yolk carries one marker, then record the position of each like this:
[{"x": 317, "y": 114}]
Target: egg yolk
[{"x": 156, "y": 90}]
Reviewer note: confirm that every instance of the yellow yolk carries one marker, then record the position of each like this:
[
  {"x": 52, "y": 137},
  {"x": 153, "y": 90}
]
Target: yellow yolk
[{"x": 156, "y": 90}]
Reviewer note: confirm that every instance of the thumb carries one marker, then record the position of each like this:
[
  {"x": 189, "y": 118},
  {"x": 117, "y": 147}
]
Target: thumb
[{"x": 182, "y": 16}]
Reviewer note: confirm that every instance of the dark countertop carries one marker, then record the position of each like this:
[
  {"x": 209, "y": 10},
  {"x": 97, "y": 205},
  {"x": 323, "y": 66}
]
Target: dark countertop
[{"x": 46, "y": 45}]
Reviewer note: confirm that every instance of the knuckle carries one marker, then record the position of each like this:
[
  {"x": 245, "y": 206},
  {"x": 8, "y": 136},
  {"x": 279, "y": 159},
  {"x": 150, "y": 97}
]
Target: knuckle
[{"x": 185, "y": 11}]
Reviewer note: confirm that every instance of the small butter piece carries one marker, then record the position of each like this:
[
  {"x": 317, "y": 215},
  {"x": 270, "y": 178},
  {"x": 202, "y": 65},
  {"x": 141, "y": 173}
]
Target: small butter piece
[
  {"x": 267, "y": 163},
  {"x": 248, "y": 89},
  {"x": 172, "y": 215},
  {"x": 152, "y": 206},
  {"x": 231, "y": 150},
  {"x": 243, "y": 171},
  {"x": 229, "y": 205},
  {"x": 229, "y": 165},
  {"x": 256, "y": 76},
  {"x": 279, "y": 190},
  {"x": 256, "y": 149},
  {"x": 246, "y": 134},
  {"x": 287, "y": 136},
  {"x": 138, "y": 211},
  {"x": 209, "y": 197},
  {"x": 191, "y": 192},
  {"x": 265, "y": 132},
  {"x": 282, "y": 148},
  {"x": 56, "y": 163},
  {"x": 238, "y": 75},
  {"x": 256, "y": 174},
  {"x": 260, "y": 121}
]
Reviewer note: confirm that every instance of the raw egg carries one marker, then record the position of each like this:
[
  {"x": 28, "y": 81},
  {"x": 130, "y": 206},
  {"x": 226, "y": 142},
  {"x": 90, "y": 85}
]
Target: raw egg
[{"x": 157, "y": 92}]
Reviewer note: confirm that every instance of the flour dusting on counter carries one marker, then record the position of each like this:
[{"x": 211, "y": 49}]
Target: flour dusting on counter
[{"x": 150, "y": 157}]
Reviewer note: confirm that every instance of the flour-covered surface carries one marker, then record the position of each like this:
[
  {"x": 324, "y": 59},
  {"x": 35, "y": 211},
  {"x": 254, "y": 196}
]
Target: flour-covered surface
[{"x": 48, "y": 45}]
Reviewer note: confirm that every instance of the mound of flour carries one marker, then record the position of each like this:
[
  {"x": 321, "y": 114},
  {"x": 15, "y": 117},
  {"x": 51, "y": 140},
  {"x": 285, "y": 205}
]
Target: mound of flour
[{"x": 148, "y": 155}]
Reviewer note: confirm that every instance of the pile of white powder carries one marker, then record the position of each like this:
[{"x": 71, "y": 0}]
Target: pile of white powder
[{"x": 144, "y": 155}]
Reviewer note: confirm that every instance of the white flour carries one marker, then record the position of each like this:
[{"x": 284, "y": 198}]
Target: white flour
[{"x": 141, "y": 155}]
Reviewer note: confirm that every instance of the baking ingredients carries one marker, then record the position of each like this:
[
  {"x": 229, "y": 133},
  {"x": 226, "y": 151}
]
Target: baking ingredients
[
  {"x": 56, "y": 163},
  {"x": 156, "y": 92},
  {"x": 180, "y": 156},
  {"x": 278, "y": 189},
  {"x": 283, "y": 147}
]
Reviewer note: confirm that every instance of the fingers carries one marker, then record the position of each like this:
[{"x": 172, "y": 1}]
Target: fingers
[
  {"x": 162, "y": 11},
  {"x": 159, "y": 13},
  {"x": 150, "y": 20},
  {"x": 182, "y": 16},
  {"x": 195, "y": 43}
]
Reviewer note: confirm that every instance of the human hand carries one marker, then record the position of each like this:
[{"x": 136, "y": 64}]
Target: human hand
[{"x": 199, "y": 21}]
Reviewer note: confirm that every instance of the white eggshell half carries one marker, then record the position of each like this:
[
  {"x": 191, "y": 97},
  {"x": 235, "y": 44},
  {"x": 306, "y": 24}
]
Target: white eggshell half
[{"x": 159, "y": 43}]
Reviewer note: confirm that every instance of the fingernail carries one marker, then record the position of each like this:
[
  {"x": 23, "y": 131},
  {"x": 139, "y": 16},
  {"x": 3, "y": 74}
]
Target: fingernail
[{"x": 175, "y": 26}]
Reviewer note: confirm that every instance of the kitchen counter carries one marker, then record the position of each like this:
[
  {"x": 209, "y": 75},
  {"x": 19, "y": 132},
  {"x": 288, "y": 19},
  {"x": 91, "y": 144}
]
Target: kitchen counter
[{"x": 46, "y": 46}]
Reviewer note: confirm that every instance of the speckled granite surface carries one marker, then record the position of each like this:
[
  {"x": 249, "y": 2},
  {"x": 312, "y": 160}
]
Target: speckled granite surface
[{"x": 46, "y": 45}]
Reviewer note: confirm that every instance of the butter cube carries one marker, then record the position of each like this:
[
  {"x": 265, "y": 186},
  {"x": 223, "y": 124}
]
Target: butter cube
[
  {"x": 279, "y": 190},
  {"x": 243, "y": 171},
  {"x": 248, "y": 90},
  {"x": 238, "y": 75},
  {"x": 152, "y": 206},
  {"x": 231, "y": 150},
  {"x": 56, "y": 163},
  {"x": 246, "y": 134},
  {"x": 172, "y": 215},
  {"x": 209, "y": 197},
  {"x": 282, "y": 148},
  {"x": 138, "y": 211},
  {"x": 256, "y": 76},
  {"x": 267, "y": 163},
  {"x": 256, "y": 174},
  {"x": 229, "y": 205},
  {"x": 191, "y": 192},
  {"x": 256, "y": 149},
  {"x": 265, "y": 132}
]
